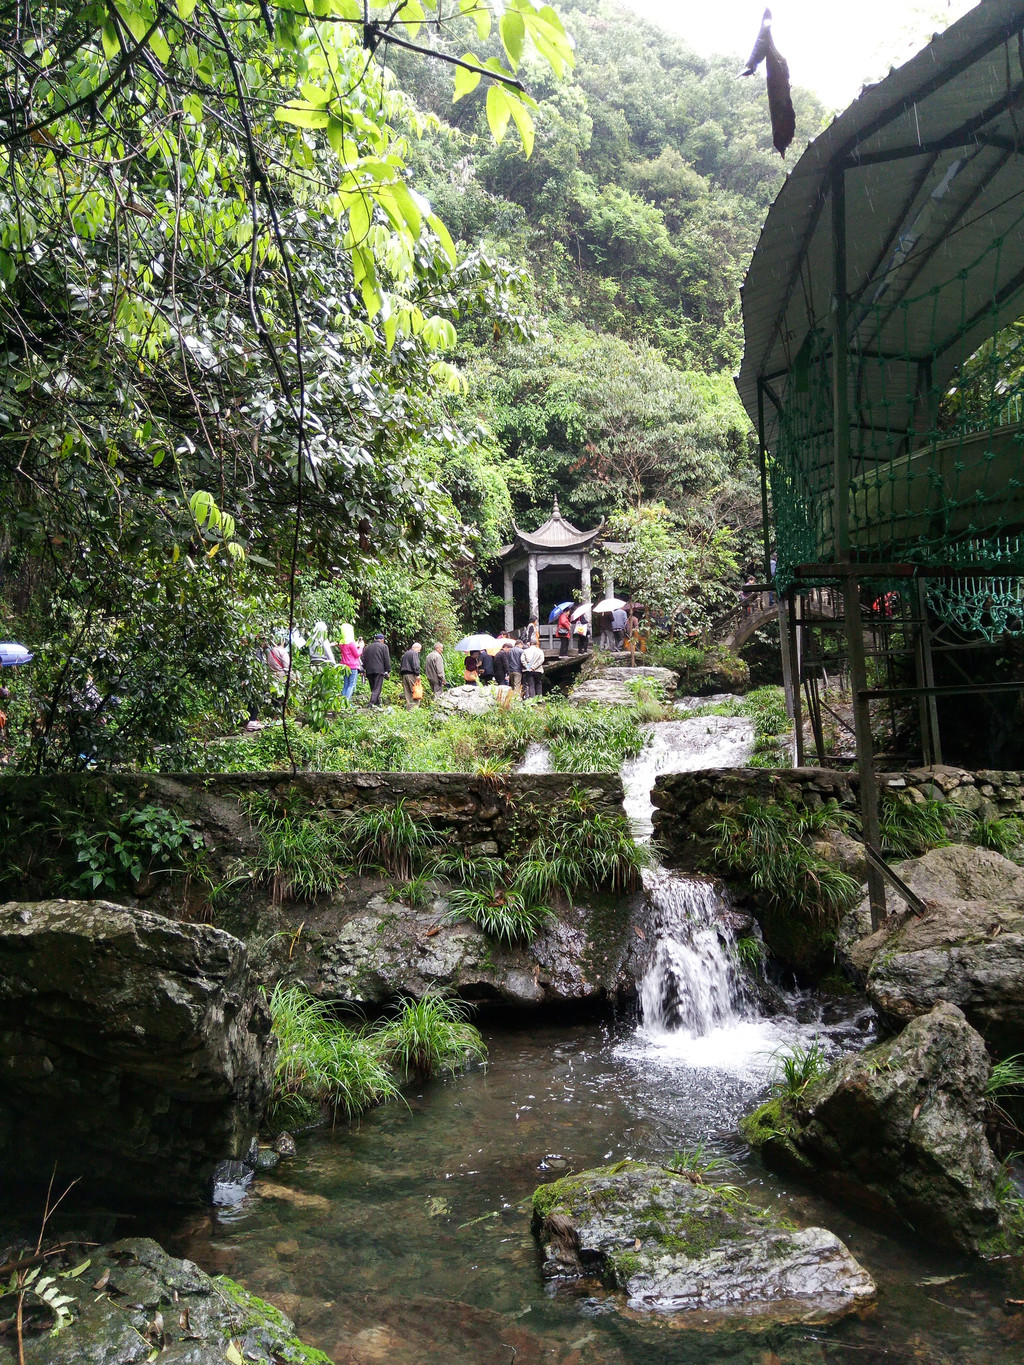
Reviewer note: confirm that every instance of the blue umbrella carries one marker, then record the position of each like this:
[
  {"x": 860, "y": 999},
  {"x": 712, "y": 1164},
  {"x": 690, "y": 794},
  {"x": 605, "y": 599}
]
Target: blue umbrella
[
  {"x": 557, "y": 611},
  {"x": 11, "y": 655}
]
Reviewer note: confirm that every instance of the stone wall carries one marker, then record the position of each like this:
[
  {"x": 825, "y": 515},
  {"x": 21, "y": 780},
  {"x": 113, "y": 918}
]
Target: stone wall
[{"x": 687, "y": 804}]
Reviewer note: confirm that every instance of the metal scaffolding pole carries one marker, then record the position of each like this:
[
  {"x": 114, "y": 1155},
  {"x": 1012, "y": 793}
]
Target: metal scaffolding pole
[{"x": 841, "y": 532}]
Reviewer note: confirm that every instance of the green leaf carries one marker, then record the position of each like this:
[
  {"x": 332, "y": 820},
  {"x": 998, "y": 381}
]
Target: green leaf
[
  {"x": 160, "y": 46},
  {"x": 411, "y": 16},
  {"x": 185, "y": 8},
  {"x": 513, "y": 35},
  {"x": 480, "y": 12},
  {"x": 302, "y": 115},
  {"x": 522, "y": 119},
  {"x": 498, "y": 111},
  {"x": 444, "y": 237},
  {"x": 111, "y": 43},
  {"x": 465, "y": 81}
]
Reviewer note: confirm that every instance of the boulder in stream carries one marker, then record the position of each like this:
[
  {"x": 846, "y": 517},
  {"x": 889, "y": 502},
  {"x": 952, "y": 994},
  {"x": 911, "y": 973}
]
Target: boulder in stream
[
  {"x": 135, "y": 1051},
  {"x": 968, "y": 948},
  {"x": 135, "y": 1303},
  {"x": 897, "y": 1133},
  {"x": 673, "y": 1244}
]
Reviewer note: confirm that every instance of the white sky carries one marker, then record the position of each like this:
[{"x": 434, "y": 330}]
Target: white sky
[{"x": 833, "y": 46}]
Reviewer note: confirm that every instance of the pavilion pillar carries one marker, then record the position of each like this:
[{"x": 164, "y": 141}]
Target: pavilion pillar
[
  {"x": 609, "y": 583},
  {"x": 585, "y": 579},
  {"x": 507, "y": 590},
  {"x": 534, "y": 587}
]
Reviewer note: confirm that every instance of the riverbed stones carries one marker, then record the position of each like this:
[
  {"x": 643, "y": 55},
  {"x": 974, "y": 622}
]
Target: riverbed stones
[
  {"x": 672, "y": 1244},
  {"x": 897, "y": 1133},
  {"x": 135, "y": 1051},
  {"x": 135, "y": 1303},
  {"x": 468, "y": 699},
  {"x": 968, "y": 948},
  {"x": 610, "y": 686},
  {"x": 390, "y": 949}
]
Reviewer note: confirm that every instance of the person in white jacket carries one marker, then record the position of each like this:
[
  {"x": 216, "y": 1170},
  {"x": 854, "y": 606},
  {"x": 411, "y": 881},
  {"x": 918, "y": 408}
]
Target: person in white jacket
[{"x": 533, "y": 671}]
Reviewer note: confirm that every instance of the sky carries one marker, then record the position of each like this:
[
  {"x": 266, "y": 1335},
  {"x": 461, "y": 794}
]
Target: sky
[{"x": 833, "y": 47}]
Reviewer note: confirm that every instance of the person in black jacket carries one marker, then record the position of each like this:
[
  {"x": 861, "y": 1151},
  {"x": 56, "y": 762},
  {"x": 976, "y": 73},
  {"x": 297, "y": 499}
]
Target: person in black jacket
[
  {"x": 501, "y": 666},
  {"x": 410, "y": 671},
  {"x": 376, "y": 666}
]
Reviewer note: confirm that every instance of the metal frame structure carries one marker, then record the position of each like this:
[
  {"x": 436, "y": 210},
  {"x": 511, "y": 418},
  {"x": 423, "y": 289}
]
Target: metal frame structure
[{"x": 945, "y": 136}]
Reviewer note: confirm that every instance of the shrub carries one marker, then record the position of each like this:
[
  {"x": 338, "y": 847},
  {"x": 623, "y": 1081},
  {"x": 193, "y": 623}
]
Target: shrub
[
  {"x": 323, "y": 1068},
  {"x": 580, "y": 847},
  {"x": 145, "y": 841},
  {"x": 1003, "y": 835},
  {"x": 590, "y": 739},
  {"x": 909, "y": 828},
  {"x": 430, "y": 1037}
]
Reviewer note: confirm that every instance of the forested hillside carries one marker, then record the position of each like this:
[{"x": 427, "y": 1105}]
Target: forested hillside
[{"x": 247, "y": 377}]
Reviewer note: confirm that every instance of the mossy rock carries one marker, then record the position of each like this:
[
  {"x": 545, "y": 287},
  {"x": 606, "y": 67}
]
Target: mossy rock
[
  {"x": 669, "y": 1243},
  {"x": 140, "y": 1286}
]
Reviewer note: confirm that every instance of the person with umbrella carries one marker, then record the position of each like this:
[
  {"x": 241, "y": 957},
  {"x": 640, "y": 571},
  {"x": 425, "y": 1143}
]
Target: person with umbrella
[
  {"x": 582, "y": 627},
  {"x": 563, "y": 630}
]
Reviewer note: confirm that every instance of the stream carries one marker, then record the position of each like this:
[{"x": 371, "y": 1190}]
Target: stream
[{"x": 405, "y": 1239}]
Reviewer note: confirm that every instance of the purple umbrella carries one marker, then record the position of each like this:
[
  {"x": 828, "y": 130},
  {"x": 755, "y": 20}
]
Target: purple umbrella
[{"x": 11, "y": 655}]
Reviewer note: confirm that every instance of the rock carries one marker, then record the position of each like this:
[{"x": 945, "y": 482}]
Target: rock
[
  {"x": 151, "y": 1300},
  {"x": 897, "y": 1133},
  {"x": 968, "y": 948},
  {"x": 298, "y": 1198},
  {"x": 268, "y": 1159},
  {"x": 603, "y": 691},
  {"x": 284, "y": 1145},
  {"x": 389, "y": 950},
  {"x": 672, "y": 1244},
  {"x": 468, "y": 698},
  {"x": 135, "y": 1051},
  {"x": 610, "y": 686}
]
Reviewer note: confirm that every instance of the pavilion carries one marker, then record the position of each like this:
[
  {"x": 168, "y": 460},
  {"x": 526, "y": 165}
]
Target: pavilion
[{"x": 554, "y": 563}]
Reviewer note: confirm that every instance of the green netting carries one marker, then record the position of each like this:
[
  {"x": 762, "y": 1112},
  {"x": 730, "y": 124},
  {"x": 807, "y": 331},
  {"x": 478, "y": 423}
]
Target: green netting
[{"x": 936, "y": 467}]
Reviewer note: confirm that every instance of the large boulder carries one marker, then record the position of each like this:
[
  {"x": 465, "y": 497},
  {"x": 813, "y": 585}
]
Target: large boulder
[
  {"x": 135, "y": 1051},
  {"x": 968, "y": 948},
  {"x": 897, "y": 1132},
  {"x": 610, "y": 686},
  {"x": 390, "y": 949},
  {"x": 670, "y": 1243},
  {"x": 134, "y": 1303}
]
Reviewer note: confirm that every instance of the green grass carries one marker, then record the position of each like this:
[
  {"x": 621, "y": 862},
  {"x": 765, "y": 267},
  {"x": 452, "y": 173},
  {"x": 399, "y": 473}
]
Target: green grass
[
  {"x": 697, "y": 1161},
  {"x": 430, "y": 1037},
  {"x": 324, "y": 1069},
  {"x": 504, "y": 914},
  {"x": 302, "y": 856},
  {"x": 909, "y": 828},
  {"x": 592, "y": 738},
  {"x": 763, "y": 841},
  {"x": 798, "y": 1068},
  {"x": 1003, "y": 835},
  {"x": 389, "y": 838}
]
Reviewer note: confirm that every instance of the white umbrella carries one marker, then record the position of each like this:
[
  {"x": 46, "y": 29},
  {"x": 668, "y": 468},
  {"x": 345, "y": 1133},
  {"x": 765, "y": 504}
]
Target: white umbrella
[
  {"x": 470, "y": 642},
  {"x": 584, "y": 610},
  {"x": 12, "y": 654},
  {"x": 609, "y": 604}
]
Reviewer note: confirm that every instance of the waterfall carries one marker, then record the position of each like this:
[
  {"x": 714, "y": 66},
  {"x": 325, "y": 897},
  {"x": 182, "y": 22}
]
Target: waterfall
[
  {"x": 679, "y": 746},
  {"x": 692, "y": 984}
]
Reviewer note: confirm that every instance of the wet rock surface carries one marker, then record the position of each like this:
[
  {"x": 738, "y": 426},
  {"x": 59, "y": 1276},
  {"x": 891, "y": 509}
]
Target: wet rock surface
[
  {"x": 897, "y": 1133},
  {"x": 967, "y": 949},
  {"x": 609, "y": 686},
  {"x": 134, "y": 1050},
  {"x": 389, "y": 949},
  {"x": 470, "y": 699},
  {"x": 674, "y": 1245},
  {"x": 134, "y": 1303}
]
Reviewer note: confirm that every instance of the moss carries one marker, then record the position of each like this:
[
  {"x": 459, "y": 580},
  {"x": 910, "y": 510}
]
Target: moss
[
  {"x": 258, "y": 1313},
  {"x": 770, "y": 1122}
]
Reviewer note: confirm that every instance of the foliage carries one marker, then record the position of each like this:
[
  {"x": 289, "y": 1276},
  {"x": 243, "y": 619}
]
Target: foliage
[
  {"x": 324, "y": 695},
  {"x": 592, "y": 738},
  {"x": 388, "y": 838},
  {"x": 301, "y": 855},
  {"x": 764, "y": 842},
  {"x": 35, "y": 1287},
  {"x": 909, "y": 828},
  {"x": 1003, "y": 835},
  {"x": 323, "y": 1068},
  {"x": 798, "y": 1068},
  {"x": 502, "y": 913},
  {"x": 697, "y": 1161},
  {"x": 580, "y": 847},
  {"x": 429, "y": 1037},
  {"x": 751, "y": 953},
  {"x": 765, "y": 707},
  {"x": 148, "y": 840},
  {"x": 1006, "y": 1077}
]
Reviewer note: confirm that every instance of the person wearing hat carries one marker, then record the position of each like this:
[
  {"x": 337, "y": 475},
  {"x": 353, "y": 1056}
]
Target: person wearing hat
[{"x": 376, "y": 663}]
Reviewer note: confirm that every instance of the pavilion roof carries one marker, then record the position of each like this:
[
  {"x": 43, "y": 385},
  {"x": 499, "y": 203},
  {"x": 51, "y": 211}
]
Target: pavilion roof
[{"x": 555, "y": 534}]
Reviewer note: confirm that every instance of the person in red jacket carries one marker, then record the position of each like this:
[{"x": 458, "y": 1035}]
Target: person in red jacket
[{"x": 563, "y": 630}]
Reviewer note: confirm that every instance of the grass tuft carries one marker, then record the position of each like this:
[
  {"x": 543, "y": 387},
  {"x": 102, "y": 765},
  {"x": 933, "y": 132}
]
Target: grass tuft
[
  {"x": 798, "y": 1068},
  {"x": 388, "y": 838},
  {"x": 430, "y": 1037}
]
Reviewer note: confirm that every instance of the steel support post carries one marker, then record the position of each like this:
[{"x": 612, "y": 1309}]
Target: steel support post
[
  {"x": 930, "y": 741},
  {"x": 841, "y": 532},
  {"x": 787, "y": 657},
  {"x": 793, "y": 631}
]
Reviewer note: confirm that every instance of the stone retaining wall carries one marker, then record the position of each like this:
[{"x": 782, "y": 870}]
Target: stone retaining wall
[{"x": 687, "y": 804}]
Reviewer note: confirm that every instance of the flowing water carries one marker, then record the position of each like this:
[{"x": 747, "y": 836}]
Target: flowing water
[{"x": 405, "y": 1239}]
